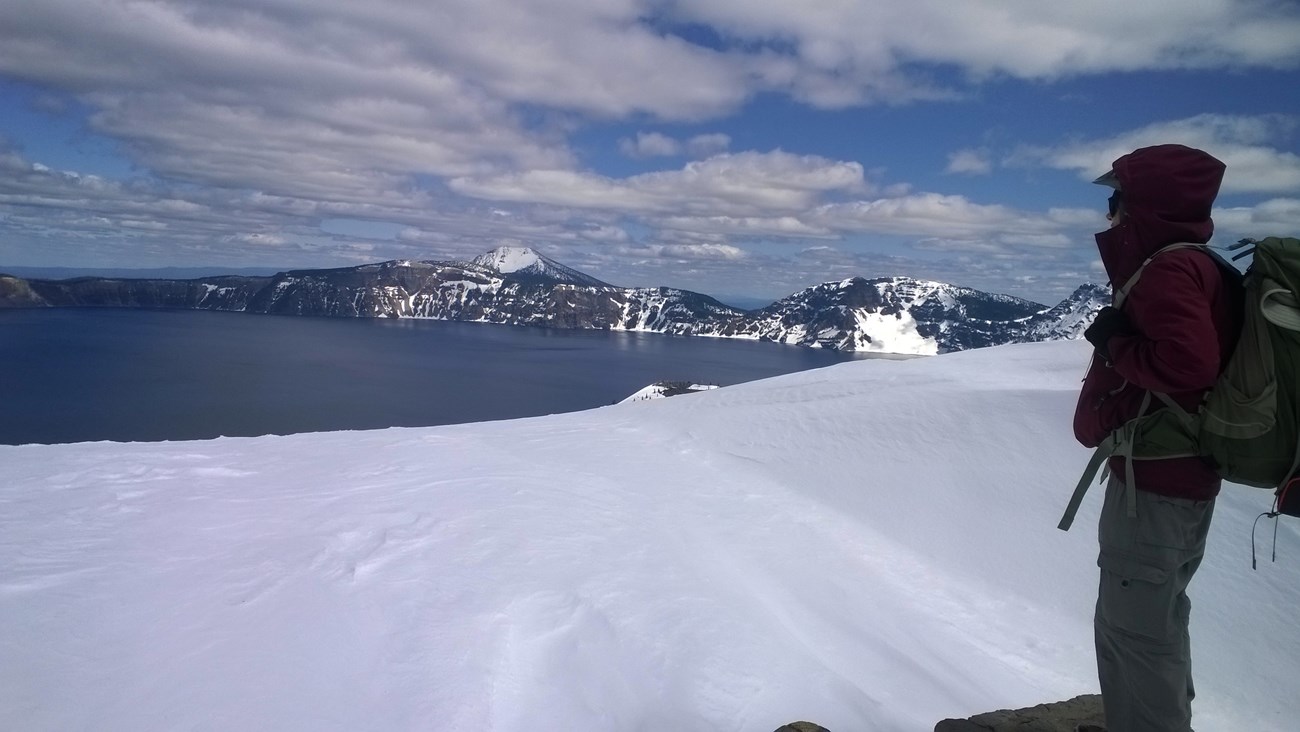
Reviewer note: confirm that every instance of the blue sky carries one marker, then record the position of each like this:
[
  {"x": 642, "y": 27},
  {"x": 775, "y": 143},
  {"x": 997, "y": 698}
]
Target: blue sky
[{"x": 739, "y": 148}]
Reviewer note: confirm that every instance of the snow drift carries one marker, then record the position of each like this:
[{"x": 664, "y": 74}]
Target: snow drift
[{"x": 869, "y": 546}]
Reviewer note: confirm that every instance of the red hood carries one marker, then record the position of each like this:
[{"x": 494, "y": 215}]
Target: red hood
[{"x": 1168, "y": 191}]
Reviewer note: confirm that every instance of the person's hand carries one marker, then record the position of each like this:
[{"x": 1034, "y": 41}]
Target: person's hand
[{"x": 1109, "y": 322}]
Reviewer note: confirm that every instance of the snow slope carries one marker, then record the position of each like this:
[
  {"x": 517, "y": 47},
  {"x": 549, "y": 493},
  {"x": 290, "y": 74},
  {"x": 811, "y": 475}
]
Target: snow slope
[
  {"x": 871, "y": 546},
  {"x": 509, "y": 259}
]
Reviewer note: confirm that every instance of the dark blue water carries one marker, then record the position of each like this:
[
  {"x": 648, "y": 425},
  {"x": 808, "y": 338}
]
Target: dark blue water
[{"x": 129, "y": 375}]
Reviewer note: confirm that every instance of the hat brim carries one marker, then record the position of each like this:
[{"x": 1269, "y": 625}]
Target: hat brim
[{"x": 1108, "y": 179}]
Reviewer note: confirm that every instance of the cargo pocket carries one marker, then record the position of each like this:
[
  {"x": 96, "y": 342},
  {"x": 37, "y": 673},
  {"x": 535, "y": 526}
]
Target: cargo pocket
[
  {"x": 1172, "y": 523},
  {"x": 1137, "y": 599}
]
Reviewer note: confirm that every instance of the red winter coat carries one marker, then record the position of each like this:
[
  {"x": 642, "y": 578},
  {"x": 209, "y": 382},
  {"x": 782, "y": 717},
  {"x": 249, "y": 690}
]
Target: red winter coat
[{"x": 1181, "y": 310}]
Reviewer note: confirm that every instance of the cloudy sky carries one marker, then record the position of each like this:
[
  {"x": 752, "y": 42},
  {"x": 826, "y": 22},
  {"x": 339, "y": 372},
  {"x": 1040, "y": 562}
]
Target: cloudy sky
[{"x": 743, "y": 148}]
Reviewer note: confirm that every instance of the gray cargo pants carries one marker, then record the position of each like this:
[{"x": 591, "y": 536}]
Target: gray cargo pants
[{"x": 1144, "y": 659}]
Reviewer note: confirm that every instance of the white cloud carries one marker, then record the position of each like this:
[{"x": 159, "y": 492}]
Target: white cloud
[
  {"x": 718, "y": 252},
  {"x": 1274, "y": 217},
  {"x": 1241, "y": 142},
  {"x": 970, "y": 162},
  {"x": 744, "y": 196},
  {"x": 604, "y": 234},
  {"x": 269, "y": 240},
  {"x": 91, "y": 220},
  {"x": 932, "y": 215},
  {"x": 983, "y": 247},
  {"x": 817, "y": 251},
  {"x": 655, "y": 144},
  {"x": 747, "y": 226},
  {"x": 1039, "y": 241},
  {"x": 741, "y": 184},
  {"x": 250, "y": 121},
  {"x": 1081, "y": 218},
  {"x": 857, "y": 49},
  {"x": 286, "y": 96},
  {"x": 702, "y": 146},
  {"x": 291, "y": 100},
  {"x": 650, "y": 144}
]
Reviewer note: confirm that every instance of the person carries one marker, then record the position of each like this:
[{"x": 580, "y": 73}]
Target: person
[{"x": 1174, "y": 329}]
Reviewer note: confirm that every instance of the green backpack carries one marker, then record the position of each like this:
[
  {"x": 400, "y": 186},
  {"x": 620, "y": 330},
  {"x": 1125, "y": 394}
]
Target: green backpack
[{"x": 1248, "y": 427}]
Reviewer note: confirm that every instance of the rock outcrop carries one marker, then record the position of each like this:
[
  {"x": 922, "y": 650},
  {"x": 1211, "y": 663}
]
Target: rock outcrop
[
  {"x": 801, "y": 727},
  {"x": 1062, "y": 716}
]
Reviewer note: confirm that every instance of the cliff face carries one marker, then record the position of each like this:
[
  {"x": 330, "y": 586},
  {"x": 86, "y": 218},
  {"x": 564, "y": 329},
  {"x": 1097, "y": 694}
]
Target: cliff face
[
  {"x": 888, "y": 315},
  {"x": 18, "y": 293},
  {"x": 215, "y": 293}
]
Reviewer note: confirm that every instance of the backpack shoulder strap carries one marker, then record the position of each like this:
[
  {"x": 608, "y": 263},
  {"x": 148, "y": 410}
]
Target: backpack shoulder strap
[{"x": 1122, "y": 293}]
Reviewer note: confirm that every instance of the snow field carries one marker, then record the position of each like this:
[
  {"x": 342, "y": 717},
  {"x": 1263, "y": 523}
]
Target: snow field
[{"x": 871, "y": 546}]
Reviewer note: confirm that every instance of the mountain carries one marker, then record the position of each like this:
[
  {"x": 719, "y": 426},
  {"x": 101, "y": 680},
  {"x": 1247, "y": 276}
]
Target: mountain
[
  {"x": 1070, "y": 318},
  {"x": 894, "y": 315},
  {"x": 518, "y": 286}
]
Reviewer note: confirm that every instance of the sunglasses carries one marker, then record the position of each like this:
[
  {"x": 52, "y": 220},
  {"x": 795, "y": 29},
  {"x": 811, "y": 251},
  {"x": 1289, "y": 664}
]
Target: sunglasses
[{"x": 1113, "y": 204}]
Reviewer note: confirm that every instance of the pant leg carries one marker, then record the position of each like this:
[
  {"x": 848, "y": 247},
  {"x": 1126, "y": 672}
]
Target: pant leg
[{"x": 1141, "y": 624}]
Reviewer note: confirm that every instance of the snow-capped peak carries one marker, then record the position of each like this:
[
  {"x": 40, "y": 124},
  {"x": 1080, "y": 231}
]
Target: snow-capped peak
[
  {"x": 524, "y": 264},
  {"x": 509, "y": 259}
]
